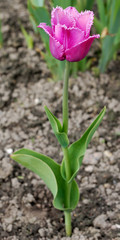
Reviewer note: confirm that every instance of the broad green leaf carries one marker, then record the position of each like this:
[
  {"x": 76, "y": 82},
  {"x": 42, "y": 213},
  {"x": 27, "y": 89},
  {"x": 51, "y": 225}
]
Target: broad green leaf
[
  {"x": 89, "y": 4},
  {"x": 108, "y": 5},
  {"x": 82, "y": 5},
  {"x": 33, "y": 24},
  {"x": 62, "y": 3},
  {"x": 114, "y": 19},
  {"x": 98, "y": 25},
  {"x": 114, "y": 16},
  {"x": 117, "y": 38},
  {"x": 40, "y": 14},
  {"x": 78, "y": 148},
  {"x": 57, "y": 129},
  {"x": 107, "y": 52},
  {"x": 116, "y": 9},
  {"x": 37, "y": 3},
  {"x": 101, "y": 9},
  {"x": 73, "y": 3},
  {"x": 49, "y": 171},
  {"x": 109, "y": 46}
]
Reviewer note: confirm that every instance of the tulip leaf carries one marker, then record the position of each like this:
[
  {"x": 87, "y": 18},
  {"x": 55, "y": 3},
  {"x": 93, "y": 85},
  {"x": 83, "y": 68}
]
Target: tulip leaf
[
  {"x": 117, "y": 38},
  {"x": 98, "y": 25},
  {"x": 37, "y": 3},
  {"x": 101, "y": 9},
  {"x": 78, "y": 148},
  {"x": 109, "y": 46},
  {"x": 40, "y": 14},
  {"x": 49, "y": 171},
  {"x": 89, "y": 4},
  {"x": 62, "y": 3},
  {"x": 57, "y": 129}
]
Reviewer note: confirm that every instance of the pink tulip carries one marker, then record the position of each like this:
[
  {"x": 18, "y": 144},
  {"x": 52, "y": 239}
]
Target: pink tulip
[{"x": 70, "y": 33}]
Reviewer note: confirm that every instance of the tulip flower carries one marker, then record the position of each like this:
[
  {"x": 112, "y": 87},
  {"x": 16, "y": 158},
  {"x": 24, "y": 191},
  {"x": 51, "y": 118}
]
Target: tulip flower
[
  {"x": 70, "y": 33},
  {"x": 69, "y": 40}
]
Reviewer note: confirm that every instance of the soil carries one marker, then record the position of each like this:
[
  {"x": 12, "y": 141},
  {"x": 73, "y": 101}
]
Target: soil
[{"x": 26, "y": 210}]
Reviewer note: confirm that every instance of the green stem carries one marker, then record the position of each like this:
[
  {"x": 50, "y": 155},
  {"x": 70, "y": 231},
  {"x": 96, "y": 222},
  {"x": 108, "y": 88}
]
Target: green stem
[
  {"x": 65, "y": 98},
  {"x": 67, "y": 163},
  {"x": 65, "y": 150},
  {"x": 68, "y": 228}
]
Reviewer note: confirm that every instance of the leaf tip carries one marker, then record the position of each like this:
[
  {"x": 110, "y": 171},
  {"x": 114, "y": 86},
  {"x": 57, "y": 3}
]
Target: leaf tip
[
  {"x": 45, "y": 107},
  {"x": 104, "y": 109}
]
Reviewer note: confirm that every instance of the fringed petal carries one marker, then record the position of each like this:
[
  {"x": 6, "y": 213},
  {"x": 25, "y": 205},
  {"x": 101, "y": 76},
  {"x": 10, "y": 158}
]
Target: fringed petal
[
  {"x": 59, "y": 16},
  {"x": 79, "y": 51},
  {"x": 46, "y": 28},
  {"x": 68, "y": 37},
  {"x": 57, "y": 50},
  {"x": 85, "y": 21},
  {"x": 72, "y": 11}
]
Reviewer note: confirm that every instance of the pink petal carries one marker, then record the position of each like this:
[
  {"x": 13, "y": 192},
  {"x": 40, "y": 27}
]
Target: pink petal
[
  {"x": 85, "y": 21},
  {"x": 59, "y": 16},
  {"x": 57, "y": 49},
  {"x": 46, "y": 28},
  {"x": 79, "y": 51},
  {"x": 59, "y": 33},
  {"x": 72, "y": 11},
  {"x": 68, "y": 37},
  {"x": 73, "y": 37}
]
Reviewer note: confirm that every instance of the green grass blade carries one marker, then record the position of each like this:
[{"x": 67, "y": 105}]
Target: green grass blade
[
  {"x": 1, "y": 36},
  {"x": 28, "y": 38}
]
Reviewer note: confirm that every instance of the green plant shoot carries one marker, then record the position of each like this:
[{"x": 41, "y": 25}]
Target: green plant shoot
[
  {"x": 107, "y": 25},
  {"x": 60, "y": 178},
  {"x": 28, "y": 38},
  {"x": 61, "y": 183},
  {"x": 1, "y": 36}
]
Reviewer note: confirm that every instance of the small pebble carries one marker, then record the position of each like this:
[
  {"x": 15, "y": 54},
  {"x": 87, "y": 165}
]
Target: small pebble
[
  {"x": 15, "y": 183},
  {"x": 100, "y": 221},
  {"x": 89, "y": 169},
  {"x": 116, "y": 226},
  {"x": 9, "y": 228},
  {"x": 9, "y": 150}
]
